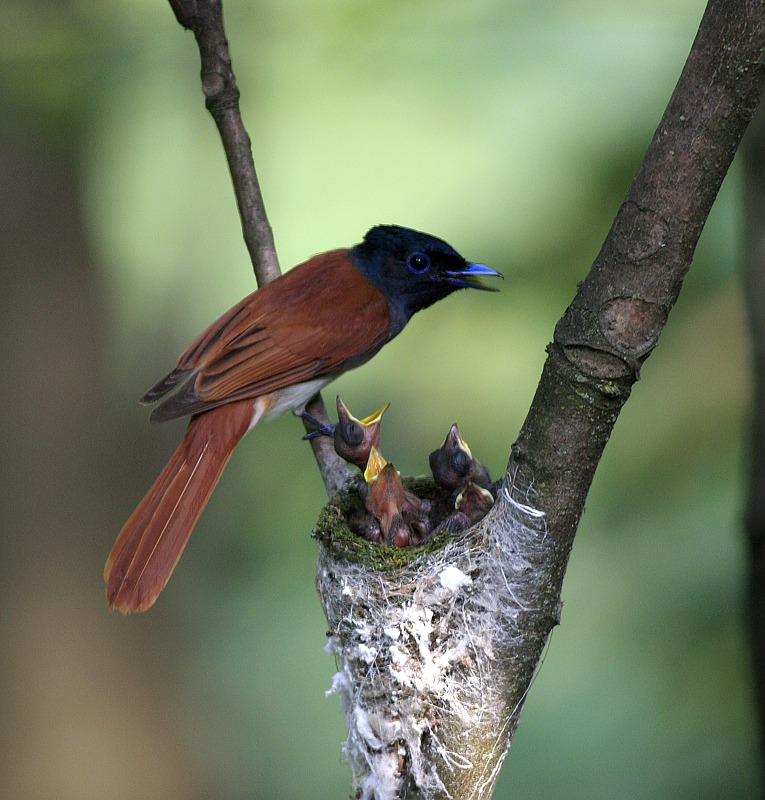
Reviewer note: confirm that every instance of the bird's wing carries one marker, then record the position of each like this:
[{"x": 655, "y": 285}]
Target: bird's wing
[{"x": 320, "y": 318}]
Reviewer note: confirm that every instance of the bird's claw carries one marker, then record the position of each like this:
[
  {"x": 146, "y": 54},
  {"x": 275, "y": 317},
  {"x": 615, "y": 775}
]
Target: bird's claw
[{"x": 322, "y": 429}]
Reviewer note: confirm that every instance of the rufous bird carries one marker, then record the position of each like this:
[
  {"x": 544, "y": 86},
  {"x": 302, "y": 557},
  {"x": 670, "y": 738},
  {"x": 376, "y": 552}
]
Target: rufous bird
[
  {"x": 269, "y": 354},
  {"x": 385, "y": 500},
  {"x": 453, "y": 465},
  {"x": 353, "y": 438}
]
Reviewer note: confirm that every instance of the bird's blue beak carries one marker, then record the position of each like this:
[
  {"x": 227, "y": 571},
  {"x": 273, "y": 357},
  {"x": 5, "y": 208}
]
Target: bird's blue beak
[{"x": 470, "y": 277}]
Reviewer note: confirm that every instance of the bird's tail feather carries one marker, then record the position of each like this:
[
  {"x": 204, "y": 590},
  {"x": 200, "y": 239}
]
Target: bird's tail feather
[{"x": 153, "y": 538}]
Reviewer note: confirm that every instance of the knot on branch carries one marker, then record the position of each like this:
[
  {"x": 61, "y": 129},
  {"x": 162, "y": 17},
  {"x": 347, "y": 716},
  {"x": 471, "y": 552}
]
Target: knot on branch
[
  {"x": 615, "y": 320},
  {"x": 602, "y": 365},
  {"x": 213, "y": 85},
  {"x": 612, "y": 343},
  {"x": 435, "y": 654},
  {"x": 638, "y": 232},
  {"x": 632, "y": 325}
]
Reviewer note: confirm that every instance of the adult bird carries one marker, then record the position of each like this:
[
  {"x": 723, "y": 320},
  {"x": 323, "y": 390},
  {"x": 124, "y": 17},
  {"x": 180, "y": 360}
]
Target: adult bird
[{"x": 268, "y": 354}]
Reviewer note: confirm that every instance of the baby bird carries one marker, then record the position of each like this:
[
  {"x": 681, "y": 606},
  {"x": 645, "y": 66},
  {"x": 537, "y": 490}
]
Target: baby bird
[
  {"x": 385, "y": 500},
  {"x": 453, "y": 465}
]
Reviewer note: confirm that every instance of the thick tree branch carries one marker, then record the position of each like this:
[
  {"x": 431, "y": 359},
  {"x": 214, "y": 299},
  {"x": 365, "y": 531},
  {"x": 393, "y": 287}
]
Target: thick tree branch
[
  {"x": 615, "y": 320},
  {"x": 205, "y": 19}
]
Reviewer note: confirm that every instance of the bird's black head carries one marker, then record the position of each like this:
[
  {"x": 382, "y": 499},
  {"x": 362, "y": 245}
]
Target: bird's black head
[{"x": 414, "y": 270}]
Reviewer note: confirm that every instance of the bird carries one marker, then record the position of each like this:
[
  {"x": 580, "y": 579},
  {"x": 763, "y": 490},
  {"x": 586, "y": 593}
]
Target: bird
[
  {"x": 353, "y": 438},
  {"x": 471, "y": 505},
  {"x": 385, "y": 500},
  {"x": 271, "y": 353},
  {"x": 453, "y": 465}
]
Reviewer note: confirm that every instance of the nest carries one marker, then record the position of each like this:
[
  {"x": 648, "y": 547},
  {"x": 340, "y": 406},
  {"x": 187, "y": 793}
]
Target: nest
[{"x": 428, "y": 641}]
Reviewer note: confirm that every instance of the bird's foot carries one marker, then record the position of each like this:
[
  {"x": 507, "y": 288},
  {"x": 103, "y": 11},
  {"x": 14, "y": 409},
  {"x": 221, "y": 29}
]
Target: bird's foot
[{"x": 321, "y": 428}]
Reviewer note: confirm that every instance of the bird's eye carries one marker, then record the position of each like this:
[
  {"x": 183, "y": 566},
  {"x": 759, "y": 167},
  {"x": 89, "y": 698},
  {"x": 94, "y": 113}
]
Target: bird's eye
[
  {"x": 418, "y": 263},
  {"x": 353, "y": 434}
]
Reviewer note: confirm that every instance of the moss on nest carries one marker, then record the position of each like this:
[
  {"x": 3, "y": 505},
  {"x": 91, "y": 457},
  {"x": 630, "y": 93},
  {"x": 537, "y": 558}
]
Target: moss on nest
[{"x": 333, "y": 532}]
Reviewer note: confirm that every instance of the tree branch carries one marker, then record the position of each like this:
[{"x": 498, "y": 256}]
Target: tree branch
[
  {"x": 615, "y": 320},
  {"x": 205, "y": 19}
]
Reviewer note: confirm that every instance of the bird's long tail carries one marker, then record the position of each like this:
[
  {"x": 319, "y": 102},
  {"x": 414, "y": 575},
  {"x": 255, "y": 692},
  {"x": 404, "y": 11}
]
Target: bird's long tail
[{"x": 152, "y": 540}]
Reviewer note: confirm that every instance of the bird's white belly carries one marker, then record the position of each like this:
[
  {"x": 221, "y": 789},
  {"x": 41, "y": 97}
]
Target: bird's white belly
[{"x": 293, "y": 398}]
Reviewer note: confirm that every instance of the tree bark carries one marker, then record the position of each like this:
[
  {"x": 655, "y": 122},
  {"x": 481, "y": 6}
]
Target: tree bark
[{"x": 615, "y": 320}]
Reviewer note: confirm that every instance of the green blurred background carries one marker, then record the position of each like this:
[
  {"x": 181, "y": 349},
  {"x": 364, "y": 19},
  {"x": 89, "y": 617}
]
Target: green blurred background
[{"x": 512, "y": 129}]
